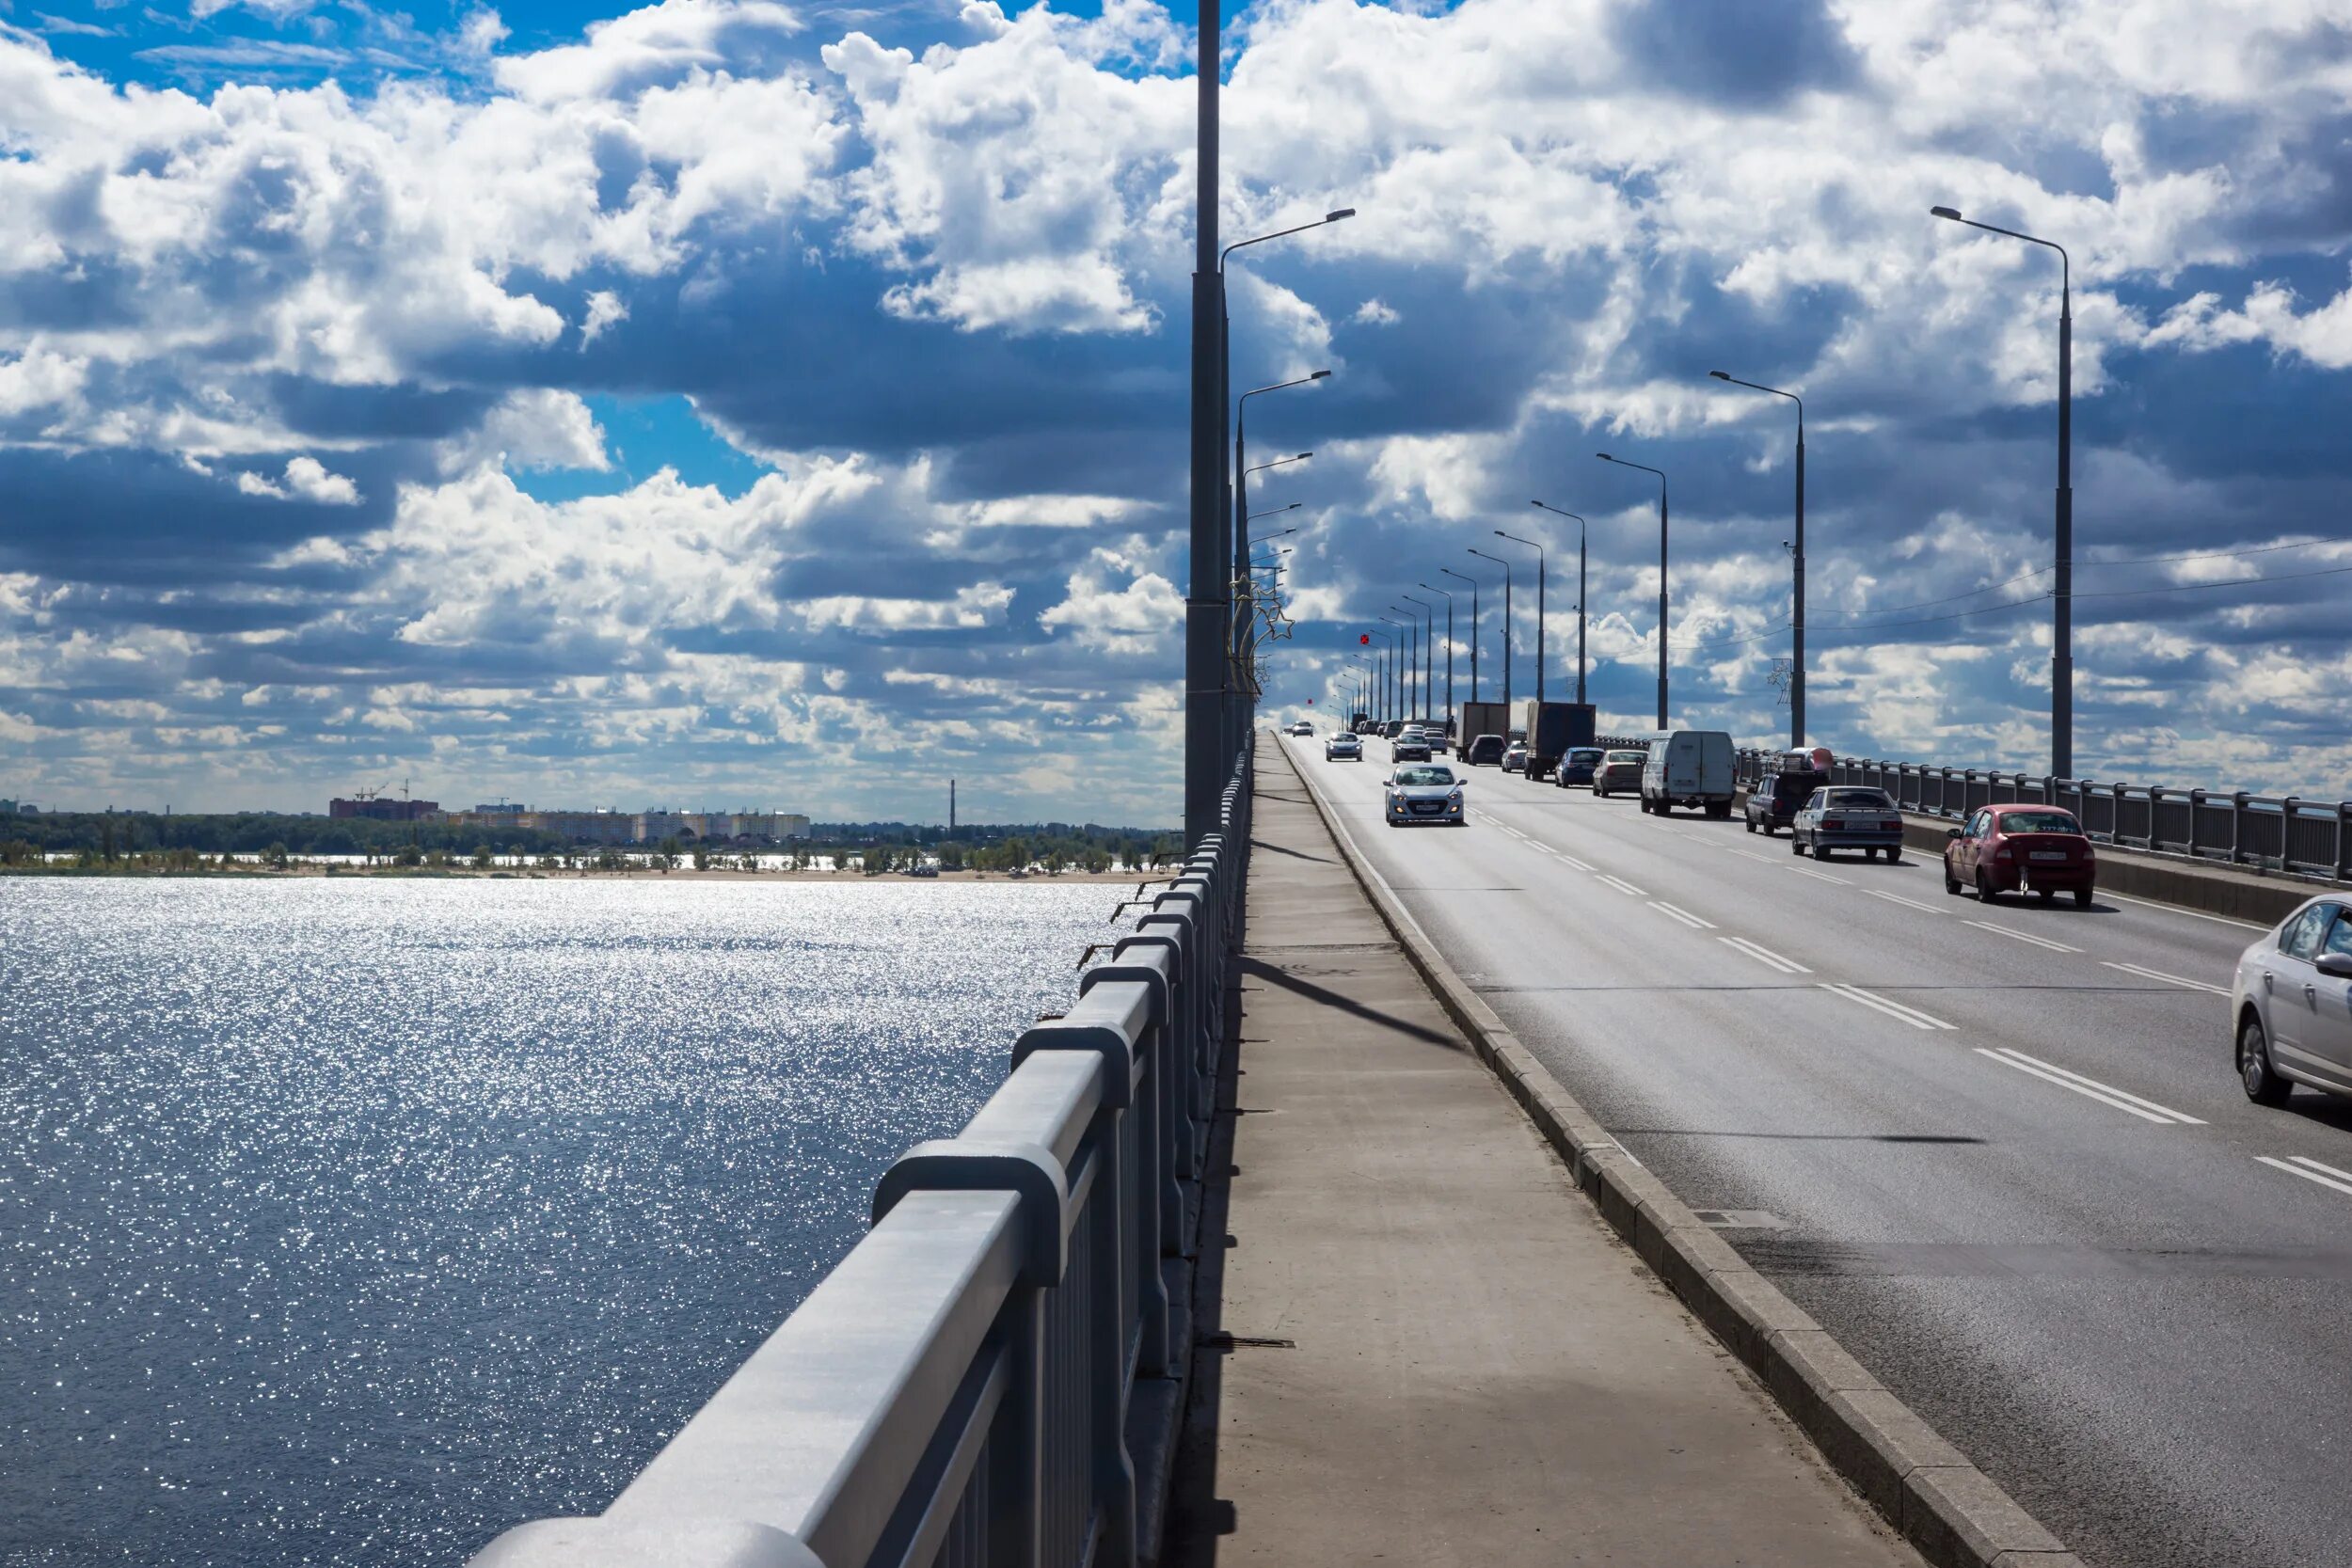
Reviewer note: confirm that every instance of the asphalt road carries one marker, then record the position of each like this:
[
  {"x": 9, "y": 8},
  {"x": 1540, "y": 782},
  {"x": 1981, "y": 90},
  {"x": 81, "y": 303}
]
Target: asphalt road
[{"x": 2000, "y": 1151}]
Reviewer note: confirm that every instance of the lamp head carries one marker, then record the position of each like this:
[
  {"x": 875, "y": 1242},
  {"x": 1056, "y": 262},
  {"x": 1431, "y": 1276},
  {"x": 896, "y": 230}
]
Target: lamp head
[
  {"x": 1951, "y": 212},
  {"x": 1302, "y": 457},
  {"x": 1342, "y": 212},
  {"x": 1318, "y": 376},
  {"x": 1718, "y": 375},
  {"x": 1604, "y": 457}
]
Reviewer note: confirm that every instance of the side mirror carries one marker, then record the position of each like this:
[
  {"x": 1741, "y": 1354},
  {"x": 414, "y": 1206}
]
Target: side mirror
[
  {"x": 2336, "y": 966},
  {"x": 1951, "y": 832}
]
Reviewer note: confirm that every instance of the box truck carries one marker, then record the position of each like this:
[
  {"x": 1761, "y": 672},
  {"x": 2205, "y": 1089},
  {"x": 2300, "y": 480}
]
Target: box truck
[
  {"x": 1483, "y": 719},
  {"x": 1551, "y": 729}
]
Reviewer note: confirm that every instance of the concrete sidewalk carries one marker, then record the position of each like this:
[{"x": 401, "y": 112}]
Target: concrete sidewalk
[{"x": 1420, "y": 1344}]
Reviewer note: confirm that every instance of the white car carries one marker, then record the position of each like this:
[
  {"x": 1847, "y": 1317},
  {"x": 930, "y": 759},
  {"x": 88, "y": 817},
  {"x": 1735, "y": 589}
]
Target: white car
[
  {"x": 1343, "y": 747},
  {"x": 2292, "y": 1005},
  {"x": 1302, "y": 727},
  {"x": 1422, "y": 793}
]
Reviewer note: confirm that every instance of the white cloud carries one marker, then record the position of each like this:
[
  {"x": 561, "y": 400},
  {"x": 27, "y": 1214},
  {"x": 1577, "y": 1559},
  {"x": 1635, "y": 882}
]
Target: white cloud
[
  {"x": 536, "y": 428},
  {"x": 980, "y": 605},
  {"x": 305, "y": 479},
  {"x": 1140, "y": 615}
]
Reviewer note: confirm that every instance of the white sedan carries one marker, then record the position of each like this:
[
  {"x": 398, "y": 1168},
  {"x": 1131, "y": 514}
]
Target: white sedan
[
  {"x": 1422, "y": 792},
  {"x": 2293, "y": 1005}
]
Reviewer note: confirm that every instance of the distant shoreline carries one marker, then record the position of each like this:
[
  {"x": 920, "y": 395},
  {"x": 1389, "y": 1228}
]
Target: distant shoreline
[{"x": 534, "y": 874}]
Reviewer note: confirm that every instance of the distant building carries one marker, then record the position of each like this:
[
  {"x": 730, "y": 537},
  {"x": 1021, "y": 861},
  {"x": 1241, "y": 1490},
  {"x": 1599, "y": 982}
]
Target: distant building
[
  {"x": 647, "y": 827},
  {"x": 380, "y": 809},
  {"x": 501, "y": 809}
]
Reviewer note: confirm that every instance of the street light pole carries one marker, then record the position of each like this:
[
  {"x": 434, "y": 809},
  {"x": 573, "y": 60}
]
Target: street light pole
[
  {"x": 1428, "y": 645},
  {"x": 1449, "y": 653},
  {"x": 1405, "y": 688},
  {"x": 1539, "y": 606},
  {"x": 1208, "y": 607},
  {"x": 2062, "y": 589},
  {"x": 1580, "y": 530},
  {"x": 1506, "y": 631},
  {"x": 1461, "y": 576},
  {"x": 1663, "y": 620},
  {"x": 1796, "y": 613}
]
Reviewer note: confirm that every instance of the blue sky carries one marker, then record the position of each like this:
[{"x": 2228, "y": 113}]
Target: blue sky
[{"x": 728, "y": 401}]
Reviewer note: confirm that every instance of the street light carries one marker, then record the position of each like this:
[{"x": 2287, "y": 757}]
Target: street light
[
  {"x": 1428, "y": 651},
  {"x": 1412, "y": 634},
  {"x": 1506, "y": 631},
  {"x": 1796, "y": 616},
  {"x": 1460, "y": 577},
  {"x": 2062, "y": 589},
  {"x": 1276, "y": 511},
  {"x": 1280, "y": 461},
  {"x": 1449, "y": 650},
  {"x": 1386, "y": 683},
  {"x": 1245, "y": 633},
  {"x": 1539, "y": 606},
  {"x": 1580, "y": 594},
  {"x": 1661, "y": 574}
]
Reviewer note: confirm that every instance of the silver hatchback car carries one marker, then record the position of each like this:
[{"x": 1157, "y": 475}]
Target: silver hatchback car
[{"x": 2292, "y": 1005}]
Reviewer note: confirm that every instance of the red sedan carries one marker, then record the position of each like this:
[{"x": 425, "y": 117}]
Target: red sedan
[{"x": 2040, "y": 849}]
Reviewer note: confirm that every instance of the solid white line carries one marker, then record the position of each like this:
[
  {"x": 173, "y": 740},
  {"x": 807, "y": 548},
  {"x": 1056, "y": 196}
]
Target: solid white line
[
  {"x": 2308, "y": 1176},
  {"x": 1765, "y": 955},
  {"x": 1912, "y": 1016},
  {"x": 1684, "y": 915},
  {"x": 1624, "y": 886},
  {"x": 1821, "y": 876},
  {"x": 2175, "y": 909},
  {"x": 1908, "y": 903},
  {"x": 2182, "y": 980},
  {"x": 2082, "y": 1084},
  {"x": 2021, "y": 936}
]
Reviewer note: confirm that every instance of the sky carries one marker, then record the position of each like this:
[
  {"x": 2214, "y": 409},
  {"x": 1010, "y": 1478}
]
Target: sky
[{"x": 735, "y": 403}]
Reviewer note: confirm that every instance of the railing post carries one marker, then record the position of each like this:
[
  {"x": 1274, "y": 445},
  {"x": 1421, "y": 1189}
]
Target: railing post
[
  {"x": 1149, "y": 1181},
  {"x": 2287, "y": 809},
  {"x": 2238, "y": 827},
  {"x": 2344, "y": 841}
]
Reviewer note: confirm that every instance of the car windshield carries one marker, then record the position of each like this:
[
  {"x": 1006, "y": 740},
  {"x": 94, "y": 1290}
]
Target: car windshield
[
  {"x": 1635, "y": 757},
  {"x": 2039, "y": 822},
  {"x": 1860, "y": 799},
  {"x": 1583, "y": 757},
  {"x": 1424, "y": 775}
]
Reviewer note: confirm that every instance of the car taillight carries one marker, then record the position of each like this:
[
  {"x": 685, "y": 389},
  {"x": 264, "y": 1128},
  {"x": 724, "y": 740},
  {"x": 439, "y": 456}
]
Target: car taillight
[
  {"x": 1831, "y": 822},
  {"x": 2001, "y": 853}
]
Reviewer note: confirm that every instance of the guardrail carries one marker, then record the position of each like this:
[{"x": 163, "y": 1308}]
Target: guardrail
[
  {"x": 2233, "y": 827},
  {"x": 958, "y": 1389}
]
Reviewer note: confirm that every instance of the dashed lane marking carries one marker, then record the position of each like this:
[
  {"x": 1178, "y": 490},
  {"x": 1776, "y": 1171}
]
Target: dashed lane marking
[
  {"x": 2021, "y": 936},
  {"x": 1765, "y": 956},
  {"x": 1624, "y": 886},
  {"x": 1907, "y": 903},
  {"x": 2091, "y": 1088},
  {"x": 2181, "y": 981},
  {"x": 1912, "y": 1016},
  {"x": 1748, "y": 854},
  {"x": 2312, "y": 1170},
  {"x": 1566, "y": 859},
  {"x": 1822, "y": 876},
  {"x": 1671, "y": 912}
]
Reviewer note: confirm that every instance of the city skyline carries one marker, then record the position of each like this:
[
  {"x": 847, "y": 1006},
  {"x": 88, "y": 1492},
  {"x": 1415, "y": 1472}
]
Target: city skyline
[{"x": 604, "y": 401}]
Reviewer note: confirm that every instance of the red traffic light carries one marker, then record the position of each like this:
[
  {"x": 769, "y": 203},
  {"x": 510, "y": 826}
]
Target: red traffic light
[{"x": 1365, "y": 639}]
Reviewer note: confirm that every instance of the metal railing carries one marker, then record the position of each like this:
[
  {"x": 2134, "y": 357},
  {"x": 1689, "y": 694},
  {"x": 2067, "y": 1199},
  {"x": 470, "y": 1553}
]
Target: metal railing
[
  {"x": 2281, "y": 834},
  {"x": 955, "y": 1392}
]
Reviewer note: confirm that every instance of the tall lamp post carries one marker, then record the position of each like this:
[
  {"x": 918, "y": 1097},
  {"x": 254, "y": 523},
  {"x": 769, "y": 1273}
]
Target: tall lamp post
[
  {"x": 1386, "y": 683},
  {"x": 1506, "y": 631},
  {"x": 1461, "y": 576},
  {"x": 1661, "y": 574},
  {"x": 1244, "y": 634},
  {"x": 1428, "y": 647},
  {"x": 2062, "y": 589},
  {"x": 1796, "y": 613},
  {"x": 1580, "y": 594},
  {"x": 1208, "y": 593},
  {"x": 1405, "y": 632},
  {"x": 1449, "y": 653},
  {"x": 1539, "y": 605}
]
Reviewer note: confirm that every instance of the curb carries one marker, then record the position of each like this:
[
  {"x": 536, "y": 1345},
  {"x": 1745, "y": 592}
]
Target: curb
[{"x": 1952, "y": 1512}]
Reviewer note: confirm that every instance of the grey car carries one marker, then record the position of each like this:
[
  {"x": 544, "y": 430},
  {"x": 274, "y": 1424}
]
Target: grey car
[
  {"x": 1846, "y": 816},
  {"x": 2292, "y": 1005},
  {"x": 1343, "y": 747},
  {"x": 1619, "y": 769}
]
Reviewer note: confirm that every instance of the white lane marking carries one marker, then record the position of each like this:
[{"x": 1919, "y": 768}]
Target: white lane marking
[
  {"x": 1749, "y": 854},
  {"x": 1907, "y": 903},
  {"x": 1912, "y": 1016},
  {"x": 1624, "y": 886},
  {"x": 1821, "y": 877},
  {"x": 1541, "y": 847},
  {"x": 2297, "y": 1168},
  {"x": 1764, "y": 956},
  {"x": 2021, "y": 936},
  {"x": 2107, "y": 1093},
  {"x": 1568, "y": 859},
  {"x": 1671, "y": 912},
  {"x": 2175, "y": 909},
  {"x": 2181, "y": 981}
]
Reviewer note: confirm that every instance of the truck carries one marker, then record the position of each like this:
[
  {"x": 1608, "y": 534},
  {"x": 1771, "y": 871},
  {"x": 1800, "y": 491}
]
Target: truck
[
  {"x": 1551, "y": 729},
  {"x": 1483, "y": 719},
  {"x": 1687, "y": 768}
]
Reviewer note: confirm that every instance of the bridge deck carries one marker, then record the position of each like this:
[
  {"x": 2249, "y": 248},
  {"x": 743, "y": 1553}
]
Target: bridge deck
[{"x": 1466, "y": 1365}]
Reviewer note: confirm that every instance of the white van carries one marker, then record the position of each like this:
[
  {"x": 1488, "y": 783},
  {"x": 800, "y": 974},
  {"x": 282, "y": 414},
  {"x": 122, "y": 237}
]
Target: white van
[{"x": 1687, "y": 768}]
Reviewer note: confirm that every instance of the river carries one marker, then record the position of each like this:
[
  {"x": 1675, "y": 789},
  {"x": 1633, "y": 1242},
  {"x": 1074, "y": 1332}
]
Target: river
[{"x": 349, "y": 1221}]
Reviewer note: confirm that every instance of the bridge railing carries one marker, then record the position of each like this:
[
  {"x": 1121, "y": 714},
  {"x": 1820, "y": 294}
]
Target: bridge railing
[
  {"x": 957, "y": 1391},
  {"x": 2311, "y": 839}
]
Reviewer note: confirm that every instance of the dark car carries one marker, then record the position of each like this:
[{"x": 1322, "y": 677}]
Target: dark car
[
  {"x": 1485, "y": 751},
  {"x": 1776, "y": 798},
  {"x": 1412, "y": 746},
  {"x": 1577, "y": 767},
  {"x": 2021, "y": 849}
]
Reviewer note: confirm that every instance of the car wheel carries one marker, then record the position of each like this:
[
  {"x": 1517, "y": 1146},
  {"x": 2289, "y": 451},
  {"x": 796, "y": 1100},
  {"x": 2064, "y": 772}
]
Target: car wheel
[
  {"x": 1952, "y": 883},
  {"x": 1869, "y": 854},
  {"x": 2262, "y": 1084},
  {"x": 1894, "y": 857},
  {"x": 1820, "y": 850},
  {"x": 1796, "y": 844},
  {"x": 1985, "y": 888},
  {"x": 2082, "y": 898},
  {"x": 1750, "y": 824}
]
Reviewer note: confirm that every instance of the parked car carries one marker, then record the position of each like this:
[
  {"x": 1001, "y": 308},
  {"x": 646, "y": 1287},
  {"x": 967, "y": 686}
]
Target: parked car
[
  {"x": 1302, "y": 727},
  {"x": 2292, "y": 1003},
  {"x": 1411, "y": 746},
  {"x": 2020, "y": 848},
  {"x": 1846, "y": 816},
  {"x": 1485, "y": 751},
  {"x": 1514, "y": 756},
  {"x": 1423, "y": 792},
  {"x": 1343, "y": 747},
  {"x": 1619, "y": 770},
  {"x": 1578, "y": 766},
  {"x": 1690, "y": 767},
  {"x": 1776, "y": 798}
]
